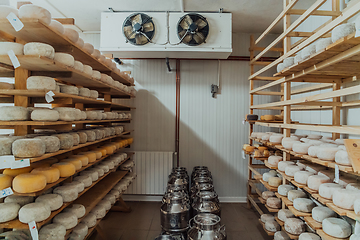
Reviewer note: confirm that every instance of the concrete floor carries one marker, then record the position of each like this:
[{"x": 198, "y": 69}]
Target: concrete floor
[{"x": 143, "y": 223}]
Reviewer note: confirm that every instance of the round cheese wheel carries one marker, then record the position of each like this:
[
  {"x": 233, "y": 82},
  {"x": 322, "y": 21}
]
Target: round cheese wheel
[
  {"x": 53, "y": 231},
  {"x": 87, "y": 180},
  {"x": 327, "y": 153},
  {"x": 83, "y": 158},
  {"x": 294, "y": 194},
  {"x": 315, "y": 181},
  {"x": 39, "y": 49},
  {"x": 283, "y": 164},
  {"x": 82, "y": 137},
  {"x": 45, "y": 115},
  {"x": 52, "y": 143},
  {"x": 55, "y": 201},
  {"x": 90, "y": 155},
  {"x": 36, "y": 12},
  {"x": 304, "y": 204},
  {"x": 76, "y": 162},
  {"x": 284, "y": 214},
  {"x": 88, "y": 70},
  {"x": 289, "y": 61},
  {"x": 94, "y": 94},
  {"x": 65, "y": 58},
  {"x": 115, "y": 193},
  {"x": 267, "y": 217},
  {"x": 96, "y": 54},
  {"x": 276, "y": 138},
  {"x": 336, "y": 227},
  {"x": 68, "y": 220},
  {"x": 79, "y": 66},
  {"x": 107, "y": 204},
  {"x": 315, "y": 142},
  {"x": 266, "y": 194},
  {"x": 111, "y": 164},
  {"x": 344, "y": 181},
  {"x": 344, "y": 198},
  {"x": 274, "y": 181},
  {"x": 68, "y": 89},
  {"x": 273, "y": 202},
  {"x": 294, "y": 226},
  {"x": 34, "y": 212},
  {"x": 76, "y": 138},
  {"x": 80, "y": 186},
  {"x": 18, "y": 171},
  {"x": 71, "y": 34},
  {"x": 321, "y": 44},
  {"x": 7, "y": 46},
  {"x": 314, "y": 136},
  {"x": 66, "y": 141},
  {"x": 91, "y": 135},
  {"x": 103, "y": 151},
  {"x": 308, "y": 51},
  {"x": 314, "y": 168},
  {"x": 66, "y": 113},
  {"x": 104, "y": 167},
  {"x": 66, "y": 169},
  {"x": 309, "y": 236},
  {"x": 265, "y": 137},
  {"x": 110, "y": 198},
  {"x": 91, "y": 115},
  {"x": 281, "y": 235},
  {"x": 6, "y": 10},
  {"x": 92, "y": 173},
  {"x": 312, "y": 151},
  {"x": 57, "y": 26},
  {"x": 326, "y": 190},
  {"x": 100, "y": 171},
  {"x": 89, "y": 220},
  {"x": 96, "y": 75},
  {"x": 77, "y": 209},
  {"x": 8, "y": 211},
  {"x": 353, "y": 186},
  {"x": 14, "y": 113},
  {"x": 80, "y": 42},
  {"x": 280, "y": 67},
  {"x": 341, "y": 157},
  {"x": 99, "y": 212},
  {"x": 342, "y": 30},
  {"x": 89, "y": 48},
  {"x": 52, "y": 174},
  {"x": 301, "y": 148},
  {"x": 274, "y": 160},
  {"x": 272, "y": 226},
  {"x": 339, "y": 141},
  {"x": 320, "y": 213},
  {"x": 284, "y": 189},
  {"x": 5, "y": 181},
  {"x": 302, "y": 177},
  {"x": 85, "y": 92},
  {"x": 68, "y": 193},
  {"x": 79, "y": 232},
  {"x": 287, "y": 143},
  {"x": 292, "y": 169},
  {"x": 298, "y": 57},
  {"x": 29, "y": 182}
]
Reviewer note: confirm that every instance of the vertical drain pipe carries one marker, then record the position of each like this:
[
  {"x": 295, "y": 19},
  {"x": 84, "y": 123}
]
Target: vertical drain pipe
[{"x": 177, "y": 114}]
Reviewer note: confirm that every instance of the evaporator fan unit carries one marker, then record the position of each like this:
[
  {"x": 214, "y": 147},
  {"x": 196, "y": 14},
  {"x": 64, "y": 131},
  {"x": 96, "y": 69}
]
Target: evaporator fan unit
[
  {"x": 193, "y": 29},
  {"x": 139, "y": 29}
]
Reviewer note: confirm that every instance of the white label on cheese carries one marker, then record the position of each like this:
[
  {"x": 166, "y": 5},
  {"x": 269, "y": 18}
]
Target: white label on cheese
[
  {"x": 20, "y": 163},
  {"x": 33, "y": 230},
  {"x": 49, "y": 96},
  {"x": 15, "y": 21},
  {"x": 6, "y": 192},
  {"x": 337, "y": 174},
  {"x": 14, "y": 60},
  {"x": 6, "y": 161},
  {"x": 243, "y": 154}
]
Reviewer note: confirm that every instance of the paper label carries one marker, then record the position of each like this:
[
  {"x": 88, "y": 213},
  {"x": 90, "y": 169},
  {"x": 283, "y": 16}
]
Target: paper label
[
  {"x": 14, "y": 60},
  {"x": 15, "y": 21},
  {"x": 337, "y": 174},
  {"x": 33, "y": 230},
  {"x": 6, "y": 192},
  {"x": 6, "y": 161},
  {"x": 20, "y": 163},
  {"x": 49, "y": 96},
  {"x": 243, "y": 154}
]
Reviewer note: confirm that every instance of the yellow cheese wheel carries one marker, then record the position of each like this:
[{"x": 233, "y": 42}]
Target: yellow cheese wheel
[
  {"x": 5, "y": 181},
  {"x": 118, "y": 145},
  {"x": 76, "y": 162},
  {"x": 115, "y": 145},
  {"x": 266, "y": 153},
  {"x": 109, "y": 150},
  {"x": 15, "y": 172},
  {"x": 52, "y": 174},
  {"x": 83, "y": 158},
  {"x": 98, "y": 153},
  {"x": 90, "y": 155},
  {"x": 262, "y": 148},
  {"x": 269, "y": 117},
  {"x": 130, "y": 140},
  {"x": 257, "y": 153},
  {"x": 29, "y": 182},
  {"x": 250, "y": 148},
  {"x": 103, "y": 151},
  {"x": 245, "y": 145},
  {"x": 279, "y": 117},
  {"x": 262, "y": 118},
  {"x": 66, "y": 169}
]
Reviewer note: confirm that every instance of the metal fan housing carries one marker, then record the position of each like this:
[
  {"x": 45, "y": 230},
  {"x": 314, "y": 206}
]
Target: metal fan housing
[
  {"x": 193, "y": 29},
  {"x": 138, "y": 29}
]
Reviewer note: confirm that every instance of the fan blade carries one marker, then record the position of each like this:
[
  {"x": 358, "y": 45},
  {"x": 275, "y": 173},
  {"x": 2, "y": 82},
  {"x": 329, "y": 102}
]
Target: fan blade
[
  {"x": 186, "y": 22},
  {"x": 148, "y": 27},
  {"x": 140, "y": 39},
  {"x": 136, "y": 19},
  {"x": 187, "y": 39},
  {"x": 200, "y": 23},
  {"x": 128, "y": 31},
  {"x": 199, "y": 37},
  {"x": 182, "y": 33}
]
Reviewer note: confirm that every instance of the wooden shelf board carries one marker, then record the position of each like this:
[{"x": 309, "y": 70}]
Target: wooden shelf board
[
  {"x": 270, "y": 166},
  {"x": 312, "y": 223},
  {"x": 298, "y": 213},
  {"x": 322, "y": 200},
  {"x": 286, "y": 201},
  {"x": 39, "y": 123},
  {"x": 281, "y": 223},
  {"x": 254, "y": 204},
  {"x": 267, "y": 232},
  {"x": 311, "y": 191},
  {"x": 268, "y": 187},
  {"x": 324, "y": 236},
  {"x": 352, "y": 215},
  {"x": 36, "y": 31},
  {"x": 272, "y": 210},
  {"x": 340, "y": 211},
  {"x": 263, "y": 201},
  {"x": 299, "y": 185}
]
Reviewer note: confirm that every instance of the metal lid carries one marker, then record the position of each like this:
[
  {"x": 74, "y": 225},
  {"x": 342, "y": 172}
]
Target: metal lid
[
  {"x": 207, "y": 221},
  {"x": 164, "y": 237}
]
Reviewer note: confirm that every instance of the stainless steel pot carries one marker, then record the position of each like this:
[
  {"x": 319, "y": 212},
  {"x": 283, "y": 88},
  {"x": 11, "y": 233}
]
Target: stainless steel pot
[
  {"x": 206, "y": 226},
  {"x": 201, "y": 188},
  {"x": 206, "y": 202},
  {"x": 173, "y": 189},
  {"x": 175, "y": 212}
]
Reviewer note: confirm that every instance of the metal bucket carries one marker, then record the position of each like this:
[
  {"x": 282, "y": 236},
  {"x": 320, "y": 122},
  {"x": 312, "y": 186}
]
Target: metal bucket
[
  {"x": 206, "y": 226},
  {"x": 175, "y": 212}
]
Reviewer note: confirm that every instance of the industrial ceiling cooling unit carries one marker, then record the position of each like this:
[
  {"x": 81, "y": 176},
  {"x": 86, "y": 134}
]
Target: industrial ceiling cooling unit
[{"x": 161, "y": 35}]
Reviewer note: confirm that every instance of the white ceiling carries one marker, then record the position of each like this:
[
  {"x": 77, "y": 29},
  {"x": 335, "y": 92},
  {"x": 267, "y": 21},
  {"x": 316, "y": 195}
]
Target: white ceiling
[{"x": 249, "y": 16}]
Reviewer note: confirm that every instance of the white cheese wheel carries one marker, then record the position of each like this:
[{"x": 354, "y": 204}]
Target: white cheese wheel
[
  {"x": 336, "y": 227},
  {"x": 81, "y": 230},
  {"x": 96, "y": 54},
  {"x": 104, "y": 167},
  {"x": 344, "y": 181},
  {"x": 94, "y": 94},
  {"x": 6, "y": 10},
  {"x": 302, "y": 177},
  {"x": 289, "y": 61},
  {"x": 107, "y": 204},
  {"x": 57, "y": 26},
  {"x": 339, "y": 141},
  {"x": 6, "y": 144},
  {"x": 100, "y": 171},
  {"x": 326, "y": 190},
  {"x": 266, "y": 194},
  {"x": 80, "y": 186},
  {"x": 40, "y": 83},
  {"x": 272, "y": 226},
  {"x": 87, "y": 180},
  {"x": 316, "y": 142},
  {"x": 353, "y": 186},
  {"x": 28, "y": 148},
  {"x": 298, "y": 57},
  {"x": 68, "y": 220},
  {"x": 283, "y": 164},
  {"x": 99, "y": 212},
  {"x": 268, "y": 175},
  {"x": 315, "y": 181},
  {"x": 276, "y": 138},
  {"x": 110, "y": 198},
  {"x": 288, "y": 142},
  {"x": 71, "y": 34},
  {"x": 274, "y": 160},
  {"x": 77, "y": 209},
  {"x": 314, "y": 136},
  {"x": 7, "y": 46},
  {"x": 111, "y": 163},
  {"x": 34, "y": 212},
  {"x": 265, "y": 137},
  {"x": 21, "y": 200},
  {"x": 281, "y": 235},
  {"x": 66, "y": 113},
  {"x": 39, "y": 49},
  {"x": 82, "y": 137},
  {"x": 284, "y": 214},
  {"x": 294, "y": 226},
  {"x": 65, "y": 59},
  {"x": 301, "y": 148},
  {"x": 53, "y": 231},
  {"x": 280, "y": 67},
  {"x": 304, "y": 204},
  {"x": 54, "y": 201},
  {"x": 308, "y": 51},
  {"x": 341, "y": 157},
  {"x": 96, "y": 75},
  {"x": 344, "y": 198},
  {"x": 274, "y": 181},
  {"x": 284, "y": 189},
  {"x": 66, "y": 141},
  {"x": 309, "y": 236},
  {"x": 92, "y": 173},
  {"x": 68, "y": 193},
  {"x": 115, "y": 193},
  {"x": 320, "y": 213},
  {"x": 292, "y": 169},
  {"x": 45, "y": 115},
  {"x": 88, "y": 70},
  {"x": 14, "y": 113},
  {"x": 273, "y": 202},
  {"x": 36, "y": 12},
  {"x": 8, "y": 211},
  {"x": 321, "y": 44},
  {"x": 312, "y": 151},
  {"x": 68, "y": 89},
  {"x": 294, "y": 194},
  {"x": 79, "y": 66},
  {"x": 83, "y": 115},
  {"x": 314, "y": 168},
  {"x": 89, "y": 220},
  {"x": 85, "y": 92},
  {"x": 354, "y": 237},
  {"x": 89, "y": 48},
  {"x": 91, "y": 115},
  {"x": 342, "y": 30},
  {"x": 327, "y": 153},
  {"x": 91, "y": 136},
  {"x": 76, "y": 138}
]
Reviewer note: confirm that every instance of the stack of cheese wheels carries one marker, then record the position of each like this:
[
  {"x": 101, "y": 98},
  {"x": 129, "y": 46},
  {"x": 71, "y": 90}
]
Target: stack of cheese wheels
[
  {"x": 345, "y": 198},
  {"x": 320, "y": 213},
  {"x": 284, "y": 189},
  {"x": 302, "y": 177},
  {"x": 304, "y": 205},
  {"x": 336, "y": 227},
  {"x": 274, "y": 160},
  {"x": 268, "y": 175},
  {"x": 284, "y": 214},
  {"x": 294, "y": 194}
]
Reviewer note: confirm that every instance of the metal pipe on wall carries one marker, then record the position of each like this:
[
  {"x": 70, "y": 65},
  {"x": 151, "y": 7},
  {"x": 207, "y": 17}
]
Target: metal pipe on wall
[{"x": 177, "y": 113}]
